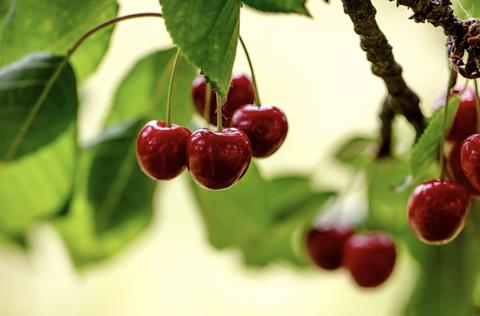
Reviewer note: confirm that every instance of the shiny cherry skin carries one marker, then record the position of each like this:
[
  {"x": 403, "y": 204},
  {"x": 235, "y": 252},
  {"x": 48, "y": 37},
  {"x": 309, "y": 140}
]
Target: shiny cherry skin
[
  {"x": 265, "y": 126},
  {"x": 241, "y": 92},
  {"x": 217, "y": 160},
  {"x": 466, "y": 119},
  {"x": 437, "y": 210},
  {"x": 470, "y": 160},
  {"x": 162, "y": 150},
  {"x": 455, "y": 171},
  {"x": 324, "y": 245},
  {"x": 370, "y": 258}
]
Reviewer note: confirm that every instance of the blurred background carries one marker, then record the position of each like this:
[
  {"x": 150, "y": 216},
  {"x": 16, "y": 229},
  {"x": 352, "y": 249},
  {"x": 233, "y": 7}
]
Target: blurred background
[{"x": 315, "y": 71}]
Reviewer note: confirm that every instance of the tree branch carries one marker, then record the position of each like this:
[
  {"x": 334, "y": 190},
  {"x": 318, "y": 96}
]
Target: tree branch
[{"x": 401, "y": 99}]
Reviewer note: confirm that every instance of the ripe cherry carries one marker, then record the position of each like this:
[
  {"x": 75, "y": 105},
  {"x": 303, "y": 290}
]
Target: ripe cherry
[
  {"x": 325, "y": 245},
  {"x": 161, "y": 150},
  {"x": 265, "y": 126},
  {"x": 470, "y": 160},
  {"x": 455, "y": 171},
  {"x": 466, "y": 119},
  {"x": 241, "y": 92},
  {"x": 217, "y": 160},
  {"x": 370, "y": 258},
  {"x": 437, "y": 210}
]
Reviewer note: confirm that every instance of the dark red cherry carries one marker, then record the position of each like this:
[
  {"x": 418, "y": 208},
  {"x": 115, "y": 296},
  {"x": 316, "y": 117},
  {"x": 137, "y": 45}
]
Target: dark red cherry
[
  {"x": 217, "y": 160},
  {"x": 470, "y": 160},
  {"x": 466, "y": 119},
  {"x": 437, "y": 210},
  {"x": 161, "y": 150},
  {"x": 241, "y": 92},
  {"x": 325, "y": 245},
  {"x": 455, "y": 171},
  {"x": 370, "y": 258},
  {"x": 265, "y": 126}
]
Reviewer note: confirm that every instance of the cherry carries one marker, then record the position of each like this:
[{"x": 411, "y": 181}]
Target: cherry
[
  {"x": 437, "y": 210},
  {"x": 325, "y": 245},
  {"x": 466, "y": 119},
  {"x": 470, "y": 160},
  {"x": 217, "y": 160},
  {"x": 455, "y": 170},
  {"x": 370, "y": 258},
  {"x": 265, "y": 126},
  {"x": 161, "y": 150},
  {"x": 241, "y": 92}
]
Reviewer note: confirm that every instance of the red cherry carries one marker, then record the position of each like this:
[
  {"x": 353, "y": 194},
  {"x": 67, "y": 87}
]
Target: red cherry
[
  {"x": 161, "y": 150},
  {"x": 470, "y": 160},
  {"x": 265, "y": 126},
  {"x": 437, "y": 210},
  {"x": 241, "y": 92},
  {"x": 325, "y": 245},
  {"x": 370, "y": 258},
  {"x": 455, "y": 171},
  {"x": 217, "y": 160},
  {"x": 466, "y": 119}
]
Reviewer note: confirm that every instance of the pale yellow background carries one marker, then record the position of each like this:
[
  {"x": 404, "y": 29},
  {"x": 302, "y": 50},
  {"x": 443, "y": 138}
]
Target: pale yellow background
[{"x": 313, "y": 69}]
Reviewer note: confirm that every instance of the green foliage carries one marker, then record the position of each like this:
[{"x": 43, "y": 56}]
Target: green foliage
[
  {"x": 283, "y": 6},
  {"x": 112, "y": 202},
  {"x": 426, "y": 150},
  {"x": 53, "y": 26},
  {"x": 38, "y": 105},
  {"x": 260, "y": 217},
  {"x": 357, "y": 151},
  {"x": 466, "y": 9},
  {"x": 143, "y": 92},
  {"x": 207, "y": 34}
]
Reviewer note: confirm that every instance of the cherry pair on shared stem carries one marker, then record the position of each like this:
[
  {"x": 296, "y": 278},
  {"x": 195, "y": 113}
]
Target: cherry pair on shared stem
[
  {"x": 216, "y": 159},
  {"x": 370, "y": 257},
  {"x": 438, "y": 209},
  {"x": 265, "y": 126}
]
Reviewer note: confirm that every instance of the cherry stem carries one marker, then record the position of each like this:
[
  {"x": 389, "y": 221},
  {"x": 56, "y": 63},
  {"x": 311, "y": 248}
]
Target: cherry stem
[
  {"x": 109, "y": 22},
  {"x": 208, "y": 99},
  {"x": 219, "y": 113},
  {"x": 451, "y": 82},
  {"x": 250, "y": 64},
  {"x": 170, "y": 88},
  {"x": 477, "y": 96}
]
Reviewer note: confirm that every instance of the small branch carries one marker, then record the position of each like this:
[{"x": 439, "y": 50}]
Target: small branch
[
  {"x": 386, "y": 117},
  {"x": 401, "y": 99}
]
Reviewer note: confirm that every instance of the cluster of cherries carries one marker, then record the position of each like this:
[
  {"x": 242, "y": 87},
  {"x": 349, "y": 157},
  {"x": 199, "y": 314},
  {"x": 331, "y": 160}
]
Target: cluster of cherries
[
  {"x": 370, "y": 257},
  {"x": 437, "y": 209},
  {"x": 215, "y": 159}
]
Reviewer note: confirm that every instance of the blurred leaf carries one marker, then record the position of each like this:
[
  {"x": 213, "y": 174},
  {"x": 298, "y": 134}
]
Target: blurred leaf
[
  {"x": 448, "y": 275},
  {"x": 113, "y": 200},
  {"x": 279, "y": 6},
  {"x": 53, "y": 26},
  {"x": 426, "y": 150},
  {"x": 143, "y": 92},
  {"x": 38, "y": 144},
  {"x": 387, "y": 207},
  {"x": 207, "y": 34},
  {"x": 356, "y": 151},
  {"x": 261, "y": 217},
  {"x": 466, "y": 9}
]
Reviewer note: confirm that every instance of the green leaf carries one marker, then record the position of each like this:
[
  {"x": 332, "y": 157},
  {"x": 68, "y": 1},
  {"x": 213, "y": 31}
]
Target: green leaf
[
  {"x": 279, "y": 6},
  {"x": 387, "y": 206},
  {"x": 466, "y": 9},
  {"x": 207, "y": 34},
  {"x": 356, "y": 151},
  {"x": 235, "y": 215},
  {"x": 38, "y": 101},
  {"x": 38, "y": 140},
  {"x": 262, "y": 218},
  {"x": 53, "y": 26},
  {"x": 426, "y": 149},
  {"x": 113, "y": 200},
  {"x": 143, "y": 92}
]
